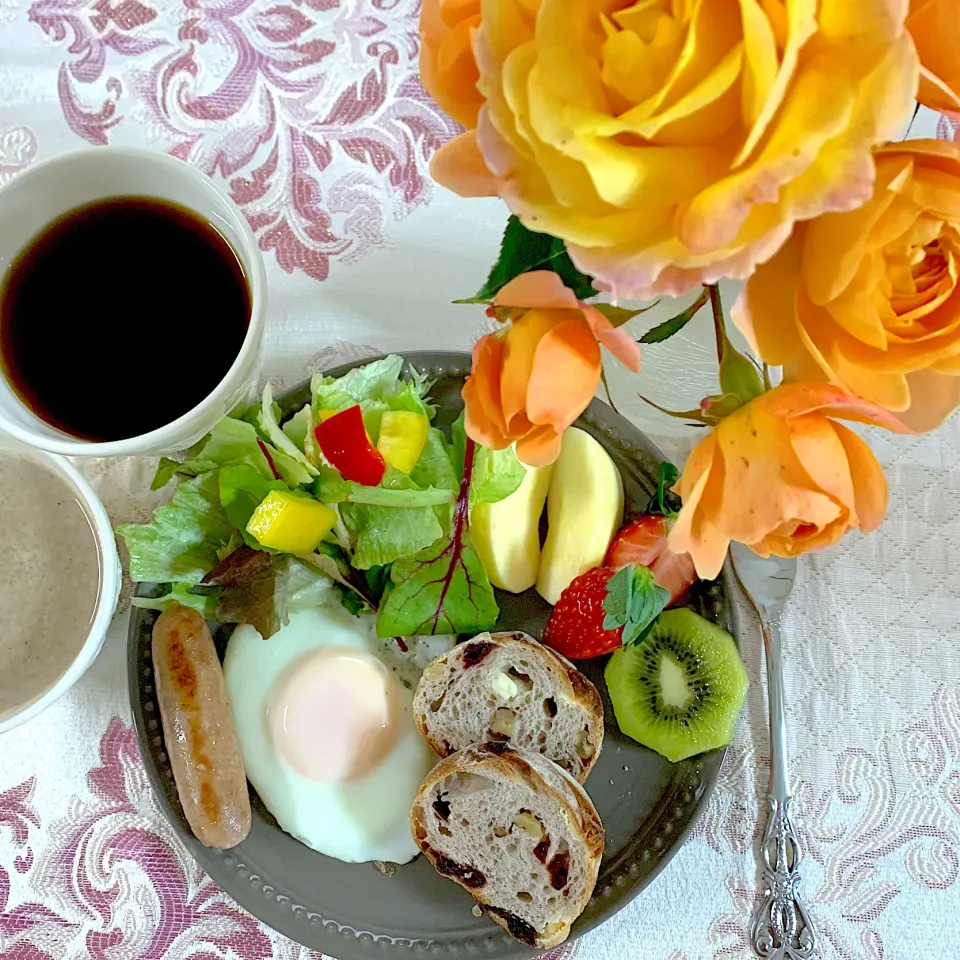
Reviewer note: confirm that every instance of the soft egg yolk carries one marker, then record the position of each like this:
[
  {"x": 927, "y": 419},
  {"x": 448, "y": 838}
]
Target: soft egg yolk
[{"x": 335, "y": 714}]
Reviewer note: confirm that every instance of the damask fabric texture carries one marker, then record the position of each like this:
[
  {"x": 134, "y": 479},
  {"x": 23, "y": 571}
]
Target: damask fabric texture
[{"x": 311, "y": 113}]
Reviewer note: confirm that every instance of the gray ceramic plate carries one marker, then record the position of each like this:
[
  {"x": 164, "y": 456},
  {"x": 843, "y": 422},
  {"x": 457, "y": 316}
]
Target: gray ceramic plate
[{"x": 354, "y": 912}]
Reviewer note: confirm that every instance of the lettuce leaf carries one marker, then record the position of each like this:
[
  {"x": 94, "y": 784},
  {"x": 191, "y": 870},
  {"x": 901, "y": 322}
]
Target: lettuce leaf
[
  {"x": 233, "y": 442},
  {"x": 496, "y": 473},
  {"x": 269, "y": 425},
  {"x": 264, "y": 590},
  {"x": 395, "y": 490},
  {"x": 369, "y": 382},
  {"x": 443, "y": 588},
  {"x": 185, "y": 594},
  {"x": 167, "y": 469},
  {"x": 298, "y": 426},
  {"x": 435, "y": 468},
  {"x": 384, "y": 534},
  {"x": 181, "y": 543},
  {"x": 293, "y": 472},
  {"x": 399, "y": 497}
]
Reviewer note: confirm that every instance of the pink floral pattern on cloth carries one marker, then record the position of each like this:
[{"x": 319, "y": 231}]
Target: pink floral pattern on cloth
[
  {"x": 311, "y": 111},
  {"x": 112, "y": 881},
  {"x": 111, "y": 877}
]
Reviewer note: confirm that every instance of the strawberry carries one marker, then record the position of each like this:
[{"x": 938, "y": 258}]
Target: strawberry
[
  {"x": 644, "y": 542},
  {"x": 602, "y": 610},
  {"x": 575, "y": 628}
]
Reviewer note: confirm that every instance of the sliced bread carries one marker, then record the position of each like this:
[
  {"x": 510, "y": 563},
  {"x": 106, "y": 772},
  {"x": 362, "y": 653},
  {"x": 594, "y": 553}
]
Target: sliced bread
[
  {"x": 515, "y": 830},
  {"x": 506, "y": 687}
]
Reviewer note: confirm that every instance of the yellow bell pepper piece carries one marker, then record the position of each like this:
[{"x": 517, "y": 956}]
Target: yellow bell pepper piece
[
  {"x": 289, "y": 523},
  {"x": 402, "y": 436}
]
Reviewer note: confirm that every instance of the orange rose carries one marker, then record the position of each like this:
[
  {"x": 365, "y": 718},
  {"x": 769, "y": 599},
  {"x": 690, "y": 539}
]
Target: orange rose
[
  {"x": 447, "y": 65},
  {"x": 935, "y": 28},
  {"x": 781, "y": 476},
  {"x": 534, "y": 377},
  {"x": 674, "y": 143},
  {"x": 869, "y": 299}
]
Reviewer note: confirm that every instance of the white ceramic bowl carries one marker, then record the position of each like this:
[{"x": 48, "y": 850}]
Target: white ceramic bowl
[
  {"x": 110, "y": 579},
  {"x": 44, "y": 192}
]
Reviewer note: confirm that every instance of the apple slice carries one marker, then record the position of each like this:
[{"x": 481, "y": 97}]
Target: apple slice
[
  {"x": 584, "y": 510},
  {"x": 507, "y": 534}
]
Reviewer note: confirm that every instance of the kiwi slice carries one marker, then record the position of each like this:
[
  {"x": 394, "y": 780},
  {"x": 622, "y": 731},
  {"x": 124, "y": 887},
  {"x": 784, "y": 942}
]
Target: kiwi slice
[{"x": 678, "y": 691}]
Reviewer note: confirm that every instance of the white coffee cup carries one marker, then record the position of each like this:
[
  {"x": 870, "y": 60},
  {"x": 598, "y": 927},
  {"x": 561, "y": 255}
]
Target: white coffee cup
[
  {"x": 110, "y": 580},
  {"x": 47, "y": 191}
]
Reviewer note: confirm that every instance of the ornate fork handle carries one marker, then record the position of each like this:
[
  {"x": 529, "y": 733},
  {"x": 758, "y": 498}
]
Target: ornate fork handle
[{"x": 782, "y": 930}]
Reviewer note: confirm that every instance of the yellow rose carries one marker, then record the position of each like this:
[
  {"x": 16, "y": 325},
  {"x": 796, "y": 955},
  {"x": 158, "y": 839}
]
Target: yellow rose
[
  {"x": 869, "y": 299},
  {"x": 447, "y": 65},
  {"x": 671, "y": 143},
  {"x": 935, "y": 28}
]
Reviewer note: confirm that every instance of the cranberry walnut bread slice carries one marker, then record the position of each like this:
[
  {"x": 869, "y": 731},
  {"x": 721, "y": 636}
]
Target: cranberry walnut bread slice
[
  {"x": 506, "y": 687},
  {"x": 515, "y": 830}
]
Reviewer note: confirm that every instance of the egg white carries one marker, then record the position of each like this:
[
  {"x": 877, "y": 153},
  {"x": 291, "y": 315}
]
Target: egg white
[{"x": 359, "y": 820}]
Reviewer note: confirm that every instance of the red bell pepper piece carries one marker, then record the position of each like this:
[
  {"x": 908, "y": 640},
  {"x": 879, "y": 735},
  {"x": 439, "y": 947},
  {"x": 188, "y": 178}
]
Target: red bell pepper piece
[{"x": 344, "y": 442}]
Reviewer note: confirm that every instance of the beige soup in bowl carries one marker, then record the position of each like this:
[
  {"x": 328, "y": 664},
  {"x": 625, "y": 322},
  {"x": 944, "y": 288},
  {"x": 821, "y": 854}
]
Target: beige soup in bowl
[{"x": 59, "y": 579}]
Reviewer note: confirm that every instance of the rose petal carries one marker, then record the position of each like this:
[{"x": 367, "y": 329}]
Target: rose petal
[
  {"x": 869, "y": 483},
  {"x": 821, "y": 455},
  {"x": 565, "y": 374},
  {"x": 615, "y": 339},
  {"x": 520, "y": 349},
  {"x": 486, "y": 373},
  {"x": 933, "y": 397},
  {"x": 476, "y": 423},
  {"x": 538, "y": 288},
  {"x": 771, "y": 293},
  {"x": 693, "y": 531},
  {"x": 540, "y": 447},
  {"x": 794, "y": 399},
  {"x": 459, "y": 167}
]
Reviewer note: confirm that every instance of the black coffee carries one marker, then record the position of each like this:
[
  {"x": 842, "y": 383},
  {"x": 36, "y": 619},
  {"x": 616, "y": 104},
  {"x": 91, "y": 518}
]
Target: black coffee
[{"x": 121, "y": 316}]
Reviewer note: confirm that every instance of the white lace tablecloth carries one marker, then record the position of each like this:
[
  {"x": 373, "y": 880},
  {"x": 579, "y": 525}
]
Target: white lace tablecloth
[{"x": 311, "y": 112}]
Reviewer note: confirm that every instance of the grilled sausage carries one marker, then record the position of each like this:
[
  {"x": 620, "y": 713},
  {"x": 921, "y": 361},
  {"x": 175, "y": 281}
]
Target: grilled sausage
[{"x": 199, "y": 730}]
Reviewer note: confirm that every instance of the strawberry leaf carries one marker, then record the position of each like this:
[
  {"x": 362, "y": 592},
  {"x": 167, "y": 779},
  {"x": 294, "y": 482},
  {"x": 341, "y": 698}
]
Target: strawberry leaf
[
  {"x": 634, "y": 601},
  {"x": 443, "y": 588},
  {"x": 665, "y": 502}
]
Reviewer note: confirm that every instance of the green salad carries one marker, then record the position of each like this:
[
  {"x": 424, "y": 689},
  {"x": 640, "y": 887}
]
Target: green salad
[{"x": 359, "y": 491}]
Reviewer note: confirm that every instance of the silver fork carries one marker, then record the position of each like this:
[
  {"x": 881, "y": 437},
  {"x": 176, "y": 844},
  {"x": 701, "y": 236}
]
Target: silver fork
[{"x": 782, "y": 928}]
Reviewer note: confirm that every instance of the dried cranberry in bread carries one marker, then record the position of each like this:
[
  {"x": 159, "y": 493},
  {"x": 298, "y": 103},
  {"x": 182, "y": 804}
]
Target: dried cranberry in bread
[
  {"x": 517, "y": 832},
  {"x": 506, "y": 687}
]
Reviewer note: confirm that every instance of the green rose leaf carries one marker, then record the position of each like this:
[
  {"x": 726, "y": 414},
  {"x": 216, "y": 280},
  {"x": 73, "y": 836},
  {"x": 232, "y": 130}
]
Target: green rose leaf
[
  {"x": 664, "y": 331},
  {"x": 521, "y": 251}
]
